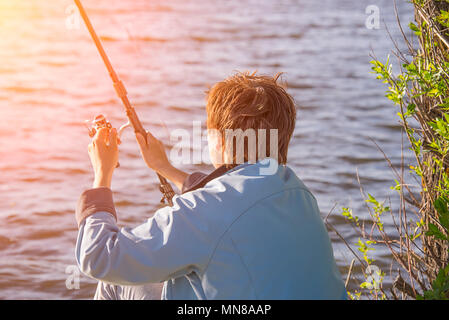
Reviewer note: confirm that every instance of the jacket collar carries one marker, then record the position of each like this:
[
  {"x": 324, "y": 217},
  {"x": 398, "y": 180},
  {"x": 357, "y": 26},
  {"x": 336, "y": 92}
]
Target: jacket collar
[
  {"x": 220, "y": 171},
  {"x": 204, "y": 180}
]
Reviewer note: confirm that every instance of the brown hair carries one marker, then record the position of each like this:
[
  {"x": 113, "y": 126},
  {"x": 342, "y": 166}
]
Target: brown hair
[{"x": 249, "y": 101}]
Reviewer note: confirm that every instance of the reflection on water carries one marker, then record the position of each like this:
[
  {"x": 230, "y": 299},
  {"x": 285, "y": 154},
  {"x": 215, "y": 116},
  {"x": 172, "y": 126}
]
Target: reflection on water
[{"x": 168, "y": 53}]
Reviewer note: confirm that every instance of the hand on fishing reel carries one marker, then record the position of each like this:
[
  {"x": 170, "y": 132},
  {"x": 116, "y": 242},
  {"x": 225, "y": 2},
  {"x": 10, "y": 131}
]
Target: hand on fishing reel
[
  {"x": 103, "y": 150},
  {"x": 100, "y": 122}
]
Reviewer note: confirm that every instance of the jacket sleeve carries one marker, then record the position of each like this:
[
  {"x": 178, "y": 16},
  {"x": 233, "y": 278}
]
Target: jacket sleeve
[{"x": 174, "y": 242}]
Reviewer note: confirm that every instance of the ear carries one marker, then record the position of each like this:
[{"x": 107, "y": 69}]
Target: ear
[
  {"x": 215, "y": 147},
  {"x": 219, "y": 144}
]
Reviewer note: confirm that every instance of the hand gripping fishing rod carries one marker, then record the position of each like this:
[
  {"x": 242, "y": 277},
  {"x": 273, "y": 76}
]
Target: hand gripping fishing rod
[{"x": 164, "y": 186}]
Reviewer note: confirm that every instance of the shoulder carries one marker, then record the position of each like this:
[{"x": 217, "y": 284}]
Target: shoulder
[{"x": 239, "y": 189}]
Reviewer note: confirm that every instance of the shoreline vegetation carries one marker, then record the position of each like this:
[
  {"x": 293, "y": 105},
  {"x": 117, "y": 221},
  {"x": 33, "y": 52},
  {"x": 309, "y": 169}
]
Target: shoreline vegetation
[{"x": 419, "y": 246}]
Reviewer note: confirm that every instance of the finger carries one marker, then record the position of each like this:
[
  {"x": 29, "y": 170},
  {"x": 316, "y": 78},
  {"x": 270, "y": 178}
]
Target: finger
[
  {"x": 101, "y": 136},
  {"x": 150, "y": 136},
  {"x": 113, "y": 138},
  {"x": 141, "y": 140}
]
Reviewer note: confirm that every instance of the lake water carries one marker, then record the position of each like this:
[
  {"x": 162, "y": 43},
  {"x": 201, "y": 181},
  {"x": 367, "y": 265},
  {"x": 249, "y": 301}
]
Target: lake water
[{"x": 168, "y": 53}]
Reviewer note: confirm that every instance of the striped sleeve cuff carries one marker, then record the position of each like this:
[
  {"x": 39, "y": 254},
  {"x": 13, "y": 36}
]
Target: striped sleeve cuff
[{"x": 93, "y": 201}]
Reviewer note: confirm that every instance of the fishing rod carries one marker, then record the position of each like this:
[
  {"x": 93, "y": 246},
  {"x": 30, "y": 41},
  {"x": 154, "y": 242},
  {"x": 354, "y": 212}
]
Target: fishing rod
[{"x": 133, "y": 119}]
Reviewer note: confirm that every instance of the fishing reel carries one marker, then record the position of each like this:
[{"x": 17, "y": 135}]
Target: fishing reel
[{"x": 100, "y": 122}]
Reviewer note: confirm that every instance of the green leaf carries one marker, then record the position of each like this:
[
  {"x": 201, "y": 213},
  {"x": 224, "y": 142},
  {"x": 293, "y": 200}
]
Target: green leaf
[
  {"x": 434, "y": 231},
  {"x": 415, "y": 29}
]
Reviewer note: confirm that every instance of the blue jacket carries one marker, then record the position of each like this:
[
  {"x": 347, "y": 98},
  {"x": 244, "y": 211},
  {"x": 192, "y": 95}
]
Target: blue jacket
[{"x": 242, "y": 236}]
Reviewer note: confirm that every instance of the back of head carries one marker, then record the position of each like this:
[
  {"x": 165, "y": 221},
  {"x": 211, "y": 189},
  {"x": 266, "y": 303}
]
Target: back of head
[{"x": 243, "y": 108}]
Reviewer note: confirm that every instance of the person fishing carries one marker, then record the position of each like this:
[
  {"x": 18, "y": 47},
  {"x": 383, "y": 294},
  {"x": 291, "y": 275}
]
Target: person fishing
[
  {"x": 233, "y": 234},
  {"x": 250, "y": 229}
]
